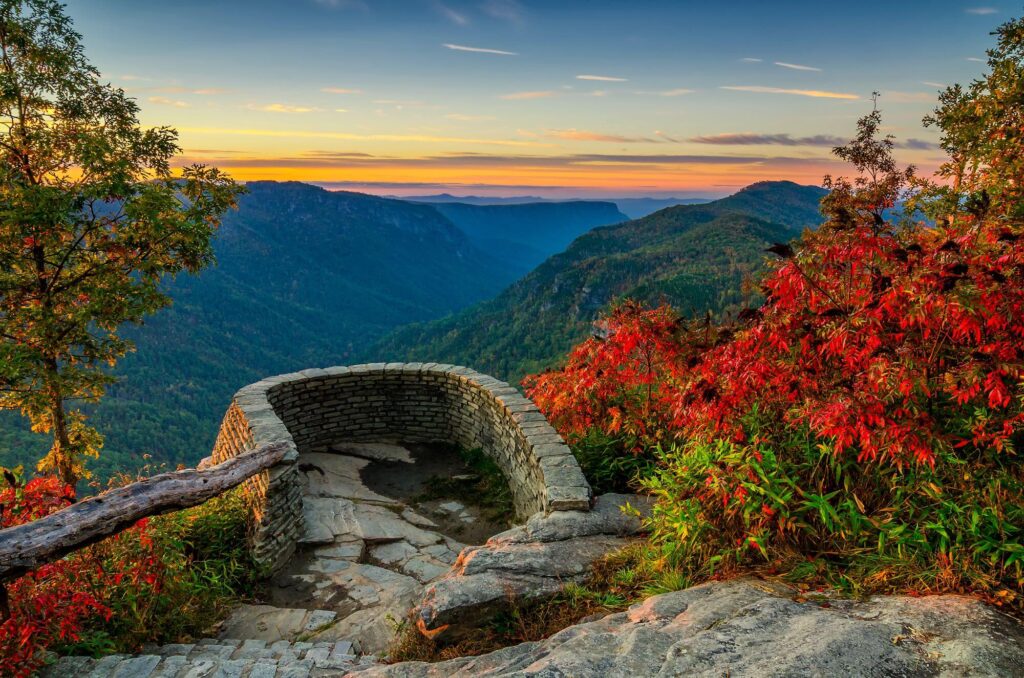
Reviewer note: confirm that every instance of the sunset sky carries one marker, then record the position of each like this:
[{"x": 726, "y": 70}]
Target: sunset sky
[{"x": 514, "y": 97}]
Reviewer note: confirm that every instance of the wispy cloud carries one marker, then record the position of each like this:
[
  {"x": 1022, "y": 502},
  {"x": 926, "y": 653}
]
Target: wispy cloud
[
  {"x": 752, "y": 139},
  {"x": 481, "y": 50},
  {"x": 540, "y": 94},
  {"x": 344, "y": 136},
  {"x": 505, "y": 10},
  {"x": 797, "y": 67},
  {"x": 164, "y": 101},
  {"x": 463, "y": 117},
  {"x": 678, "y": 92},
  {"x": 917, "y": 145},
  {"x": 751, "y": 60},
  {"x": 450, "y": 14},
  {"x": 934, "y": 84},
  {"x": 131, "y": 78},
  {"x": 472, "y": 160},
  {"x": 601, "y": 78},
  {"x": 343, "y": 4},
  {"x": 797, "y": 92},
  {"x": 982, "y": 10},
  {"x": 340, "y": 90},
  {"x": 824, "y": 140},
  {"x": 283, "y": 108},
  {"x": 976, "y": 60}
]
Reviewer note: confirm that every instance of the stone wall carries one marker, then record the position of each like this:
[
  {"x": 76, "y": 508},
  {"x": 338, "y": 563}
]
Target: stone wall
[{"x": 402, "y": 402}]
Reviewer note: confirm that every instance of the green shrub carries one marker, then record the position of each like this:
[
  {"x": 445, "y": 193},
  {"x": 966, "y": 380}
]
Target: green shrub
[
  {"x": 204, "y": 568},
  {"x": 606, "y": 466},
  {"x": 799, "y": 508}
]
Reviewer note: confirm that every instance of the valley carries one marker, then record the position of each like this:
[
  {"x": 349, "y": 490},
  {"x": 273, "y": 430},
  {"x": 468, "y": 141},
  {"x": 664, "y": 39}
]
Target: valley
[
  {"x": 304, "y": 276},
  {"x": 696, "y": 257}
]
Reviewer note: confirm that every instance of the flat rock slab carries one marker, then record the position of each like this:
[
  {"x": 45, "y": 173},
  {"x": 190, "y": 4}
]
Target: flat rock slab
[
  {"x": 749, "y": 628},
  {"x": 337, "y": 475},
  {"x": 486, "y": 579},
  {"x": 612, "y": 514},
  {"x": 366, "y": 556},
  {"x": 374, "y": 451},
  {"x": 269, "y": 623}
]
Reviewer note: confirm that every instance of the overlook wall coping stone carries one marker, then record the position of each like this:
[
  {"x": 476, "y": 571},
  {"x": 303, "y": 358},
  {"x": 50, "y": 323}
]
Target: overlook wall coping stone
[{"x": 400, "y": 402}]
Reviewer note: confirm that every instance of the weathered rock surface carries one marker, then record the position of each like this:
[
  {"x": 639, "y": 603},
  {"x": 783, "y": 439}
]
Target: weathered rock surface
[
  {"x": 752, "y": 628},
  {"x": 526, "y": 562},
  {"x": 269, "y": 623},
  {"x": 613, "y": 514}
]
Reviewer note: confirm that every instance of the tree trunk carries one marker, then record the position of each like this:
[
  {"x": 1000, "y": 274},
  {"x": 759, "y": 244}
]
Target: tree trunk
[{"x": 61, "y": 453}]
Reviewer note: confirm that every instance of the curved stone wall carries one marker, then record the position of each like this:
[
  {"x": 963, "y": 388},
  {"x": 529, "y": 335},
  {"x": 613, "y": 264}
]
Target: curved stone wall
[{"x": 410, "y": 402}]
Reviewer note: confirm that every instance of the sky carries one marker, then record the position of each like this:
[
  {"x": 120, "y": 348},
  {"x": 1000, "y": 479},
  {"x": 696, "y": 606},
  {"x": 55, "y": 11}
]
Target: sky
[{"x": 550, "y": 98}]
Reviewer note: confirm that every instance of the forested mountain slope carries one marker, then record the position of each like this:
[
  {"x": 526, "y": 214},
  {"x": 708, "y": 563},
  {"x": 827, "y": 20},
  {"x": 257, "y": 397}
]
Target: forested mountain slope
[
  {"x": 693, "y": 256},
  {"x": 304, "y": 277}
]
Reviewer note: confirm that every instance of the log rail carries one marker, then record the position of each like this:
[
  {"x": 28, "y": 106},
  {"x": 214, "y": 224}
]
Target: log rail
[{"x": 26, "y": 547}]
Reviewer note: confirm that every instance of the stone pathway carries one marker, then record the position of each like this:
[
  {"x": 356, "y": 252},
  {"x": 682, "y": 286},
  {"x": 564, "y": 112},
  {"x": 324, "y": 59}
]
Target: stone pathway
[
  {"x": 218, "y": 658},
  {"x": 363, "y": 565},
  {"x": 364, "y": 561}
]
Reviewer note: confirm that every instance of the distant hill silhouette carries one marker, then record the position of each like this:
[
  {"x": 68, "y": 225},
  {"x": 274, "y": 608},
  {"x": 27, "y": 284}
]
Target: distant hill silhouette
[
  {"x": 634, "y": 208},
  {"x": 524, "y": 234}
]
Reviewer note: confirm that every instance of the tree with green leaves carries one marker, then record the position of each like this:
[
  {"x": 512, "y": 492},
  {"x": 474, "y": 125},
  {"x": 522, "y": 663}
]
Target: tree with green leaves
[{"x": 92, "y": 220}]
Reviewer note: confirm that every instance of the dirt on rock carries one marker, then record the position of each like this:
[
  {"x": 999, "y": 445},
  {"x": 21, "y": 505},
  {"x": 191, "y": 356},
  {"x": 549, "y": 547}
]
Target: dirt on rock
[{"x": 439, "y": 485}]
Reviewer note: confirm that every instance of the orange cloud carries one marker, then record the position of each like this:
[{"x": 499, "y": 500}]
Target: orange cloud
[
  {"x": 584, "y": 135},
  {"x": 284, "y": 108},
  {"x": 164, "y": 101},
  {"x": 344, "y": 136},
  {"x": 798, "y": 92},
  {"x": 544, "y": 94}
]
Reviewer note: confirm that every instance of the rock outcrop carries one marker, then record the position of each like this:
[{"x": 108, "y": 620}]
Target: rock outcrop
[
  {"x": 526, "y": 562},
  {"x": 752, "y": 628}
]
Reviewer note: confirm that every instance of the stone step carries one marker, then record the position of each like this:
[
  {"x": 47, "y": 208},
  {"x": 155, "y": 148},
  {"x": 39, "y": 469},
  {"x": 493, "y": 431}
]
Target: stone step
[{"x": 217, "y": 658}]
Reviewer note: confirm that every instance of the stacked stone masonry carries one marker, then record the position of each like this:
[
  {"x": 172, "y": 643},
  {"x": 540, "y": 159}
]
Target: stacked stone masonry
[{"x": 401, "y": 402}]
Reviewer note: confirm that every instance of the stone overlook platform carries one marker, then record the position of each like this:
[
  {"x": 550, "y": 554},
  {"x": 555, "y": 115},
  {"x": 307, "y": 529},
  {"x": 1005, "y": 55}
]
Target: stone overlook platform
[
  {"x": 397, "y": 402},
  {"x": 353, "y": 542}
]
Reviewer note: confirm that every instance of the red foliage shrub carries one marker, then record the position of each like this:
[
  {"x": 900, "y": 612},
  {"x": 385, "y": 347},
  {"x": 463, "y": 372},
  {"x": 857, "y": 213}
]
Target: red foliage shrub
[
  {"x": 618, "y": 380},
  {"x": 896, "y": 344},
  {"x": 51, "y": 605},
  {"x": 894, "y": 341},
  {"x": 868, "y": 409}
]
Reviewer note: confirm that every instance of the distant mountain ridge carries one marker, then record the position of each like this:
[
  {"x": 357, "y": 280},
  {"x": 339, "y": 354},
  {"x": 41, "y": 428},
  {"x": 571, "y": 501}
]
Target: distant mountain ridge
[
  {"x": 633, "y": 208},
  {"x": 524, "y": 234},
  {"x": 694, "y": 256}
]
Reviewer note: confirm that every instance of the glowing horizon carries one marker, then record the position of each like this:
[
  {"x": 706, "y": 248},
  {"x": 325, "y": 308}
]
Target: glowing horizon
[{"x": 519, "y": 98}]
